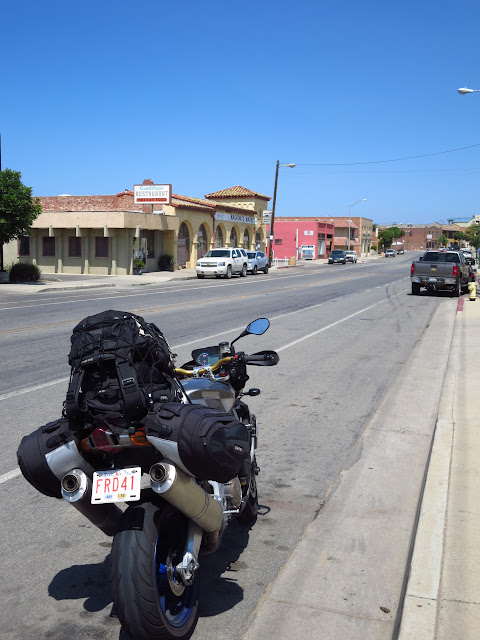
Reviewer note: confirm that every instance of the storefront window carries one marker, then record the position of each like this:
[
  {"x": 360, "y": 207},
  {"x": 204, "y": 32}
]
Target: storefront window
[
  {"x": 48, "y": 246},
  {"x": 101, "y": 247},
  {"x": 74, "y": 247},
  {"x": 218, "y": 237},
  {"x": 148, "y": 236},
  {"x": 246, "y": 240},
  {"x": 24, "y": 246},
  {"x": 233, "y": 238}
]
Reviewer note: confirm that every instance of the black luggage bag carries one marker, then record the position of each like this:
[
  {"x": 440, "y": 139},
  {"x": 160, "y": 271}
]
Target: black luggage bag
[{"x": 212, "y": 445}]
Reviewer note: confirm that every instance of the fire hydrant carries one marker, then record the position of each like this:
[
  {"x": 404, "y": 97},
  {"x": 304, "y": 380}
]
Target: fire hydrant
[{"x": 472, "y": 287}]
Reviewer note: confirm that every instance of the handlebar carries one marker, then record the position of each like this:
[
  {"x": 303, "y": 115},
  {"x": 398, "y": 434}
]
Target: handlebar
[{"x": 202, "y": 370}]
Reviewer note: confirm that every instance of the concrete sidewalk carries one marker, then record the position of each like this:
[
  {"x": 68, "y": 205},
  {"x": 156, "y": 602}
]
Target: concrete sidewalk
[
  {"x": 347, "y": 578},
  {"x": 443, "y": 593}
]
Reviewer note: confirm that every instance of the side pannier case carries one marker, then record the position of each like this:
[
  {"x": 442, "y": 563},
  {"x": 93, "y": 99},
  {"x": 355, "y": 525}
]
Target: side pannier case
[
  {"x": 207, "y": 443},
  {"x": 47, "y": 454}
]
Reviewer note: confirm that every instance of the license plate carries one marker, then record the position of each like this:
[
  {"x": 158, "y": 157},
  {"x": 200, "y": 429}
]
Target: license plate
[{"x": 116, "y": 485}]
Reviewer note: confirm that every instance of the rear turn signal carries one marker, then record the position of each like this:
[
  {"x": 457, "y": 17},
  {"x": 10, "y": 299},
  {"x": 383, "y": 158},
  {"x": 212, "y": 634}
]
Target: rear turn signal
[
  {"x": 412, "y": 269},
  {"x": 455, "y": 271}
]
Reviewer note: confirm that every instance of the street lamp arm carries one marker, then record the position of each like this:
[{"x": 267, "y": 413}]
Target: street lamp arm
[{"x": 463, "y": 90}]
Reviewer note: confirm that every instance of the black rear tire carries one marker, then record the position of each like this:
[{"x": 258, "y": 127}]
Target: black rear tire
[
  {"x": 458, "y": 289},
  {"x": 255, "y": 270},
  {"x": 415, "y": 289},
  {"x": 250, "y": 511},
  {"x": 265, "y": 271},
  {"x": 243, "y": 272},
  {"x": 151, "y": 602}
]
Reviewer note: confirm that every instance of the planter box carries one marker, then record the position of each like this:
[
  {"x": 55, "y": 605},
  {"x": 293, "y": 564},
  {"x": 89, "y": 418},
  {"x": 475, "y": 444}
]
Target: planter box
[{"x": 4, "y": 277}]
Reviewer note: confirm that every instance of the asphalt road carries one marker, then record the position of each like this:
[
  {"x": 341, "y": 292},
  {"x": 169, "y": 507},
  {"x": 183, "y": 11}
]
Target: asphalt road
[{"x": 343, "y": 334}]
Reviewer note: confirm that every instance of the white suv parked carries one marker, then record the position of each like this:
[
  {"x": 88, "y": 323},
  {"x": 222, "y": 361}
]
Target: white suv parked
[{"x": 223, "y": 261}]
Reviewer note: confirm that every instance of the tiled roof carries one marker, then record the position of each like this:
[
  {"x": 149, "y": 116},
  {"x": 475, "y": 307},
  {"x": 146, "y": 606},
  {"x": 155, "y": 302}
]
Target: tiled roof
[
  {"x": 236, "y": 192},
  {"x": 210, "y": 205}
]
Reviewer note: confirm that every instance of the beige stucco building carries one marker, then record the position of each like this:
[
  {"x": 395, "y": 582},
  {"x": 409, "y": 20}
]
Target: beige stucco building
[{"x": 104, "y": 234}]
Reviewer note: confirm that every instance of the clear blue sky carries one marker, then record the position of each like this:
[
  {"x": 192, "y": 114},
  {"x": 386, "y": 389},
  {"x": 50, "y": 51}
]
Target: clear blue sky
[{"x": 98, "y": 95}]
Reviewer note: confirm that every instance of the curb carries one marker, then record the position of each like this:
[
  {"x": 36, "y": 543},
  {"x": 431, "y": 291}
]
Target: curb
[{"x": 78, "y": 286}]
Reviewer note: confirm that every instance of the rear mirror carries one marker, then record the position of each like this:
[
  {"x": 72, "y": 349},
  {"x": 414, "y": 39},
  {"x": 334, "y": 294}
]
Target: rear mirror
[{"x": 258, "y": 327}]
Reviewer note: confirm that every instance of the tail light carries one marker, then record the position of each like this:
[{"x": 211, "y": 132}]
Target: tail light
[
  {"x": 412, "y": 269},
  {"x": 103, "y": 440},
  {"x": 456, "y": 272}
]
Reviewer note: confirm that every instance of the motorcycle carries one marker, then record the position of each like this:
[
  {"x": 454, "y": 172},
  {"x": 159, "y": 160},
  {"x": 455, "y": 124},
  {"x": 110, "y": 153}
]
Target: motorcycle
[{"x": 176, "y": 518}]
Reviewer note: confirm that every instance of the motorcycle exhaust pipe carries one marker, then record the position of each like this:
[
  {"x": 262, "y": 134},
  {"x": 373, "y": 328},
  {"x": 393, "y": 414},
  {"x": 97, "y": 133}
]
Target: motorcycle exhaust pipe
[
  {"x": 177, "y": 488},
  {"x": 77, "y": 490}
]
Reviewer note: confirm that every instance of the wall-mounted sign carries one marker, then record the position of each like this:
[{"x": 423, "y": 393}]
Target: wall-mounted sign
[
  {"x": 267, "y": 216},
  {"x": 235, "y": 217},
  {"x": 152, "y": 193},
  {"x": 308, "y": 233}
]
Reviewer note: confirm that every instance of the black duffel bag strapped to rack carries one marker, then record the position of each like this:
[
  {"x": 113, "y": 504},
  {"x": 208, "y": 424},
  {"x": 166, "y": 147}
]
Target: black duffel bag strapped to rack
[
  {"x": 121, "y": 365},
  {"x": 211, "y": 444}
]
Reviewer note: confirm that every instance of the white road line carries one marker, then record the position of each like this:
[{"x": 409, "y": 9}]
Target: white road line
[
  {"x": 20, "y": 392},
  {"x": 252, "y": 280},
  {"x": 329, "y": 326},
  {"x": 224, "y": 332},
  {"x": 10, "y": 475}
]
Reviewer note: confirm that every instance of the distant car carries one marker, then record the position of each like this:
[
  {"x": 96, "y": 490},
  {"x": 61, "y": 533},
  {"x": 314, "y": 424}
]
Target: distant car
[
  {"x": 400, "y": 252},
  {"x": 351, "y": 256},
  {"x": 337, "y": 255},
  {"x": 257, "y": 261},
  {"x": 389, "y": 253},
  {"x": 469, "y": 256}
]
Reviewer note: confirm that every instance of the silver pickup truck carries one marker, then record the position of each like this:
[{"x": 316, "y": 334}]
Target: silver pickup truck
[{"x": 441, "y": 270}]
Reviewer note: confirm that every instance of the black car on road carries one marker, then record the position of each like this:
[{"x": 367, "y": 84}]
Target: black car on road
[{"x": 337, "y": 255}]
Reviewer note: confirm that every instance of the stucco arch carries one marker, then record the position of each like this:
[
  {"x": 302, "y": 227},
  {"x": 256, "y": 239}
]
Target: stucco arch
[
  {"x": 220, "y": 228},
  {"x": 185, "y": 256},
  {"x": 235, "y": 231},
  {"x": 260, "y": 244},
  {"x": 200, "y": 250},
  {"x": 246, "y": 239}
]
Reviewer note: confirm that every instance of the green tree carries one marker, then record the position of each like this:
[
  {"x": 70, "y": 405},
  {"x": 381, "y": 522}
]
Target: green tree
[
  {"x": 442, "y": 240},
  {"x": 459, "y": 235},
  {"x": 17, "y": 208},
  {"x": 472, "y": 235},
  {"x": 387, "y": 236}
]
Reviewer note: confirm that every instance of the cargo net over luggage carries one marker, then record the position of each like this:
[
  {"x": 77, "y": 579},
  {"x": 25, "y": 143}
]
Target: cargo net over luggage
[{"x": 121, "y": 366}]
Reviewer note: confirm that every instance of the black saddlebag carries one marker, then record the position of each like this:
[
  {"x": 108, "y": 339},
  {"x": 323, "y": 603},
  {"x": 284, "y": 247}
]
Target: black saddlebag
[
  {"x": 211, "y": 444},
  {"x": 32, "y": 452}
]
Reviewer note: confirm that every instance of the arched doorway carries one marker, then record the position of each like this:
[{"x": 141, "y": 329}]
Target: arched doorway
[
  {"x": 246, "y": 239},
  {"x": 202, "y": 241},
  {"x": 218, "y": 237},
  {"x": 183, "y": 251},
  {"x": 233, "y": 238},
  {"x": 258, "y": 241}
]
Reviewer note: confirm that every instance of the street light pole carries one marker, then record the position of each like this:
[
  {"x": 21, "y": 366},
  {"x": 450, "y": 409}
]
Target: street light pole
[
  {"x": 349, "y": 220},
  {"x": 270, "y": 251},
  {"x": 464, "y": 90}
]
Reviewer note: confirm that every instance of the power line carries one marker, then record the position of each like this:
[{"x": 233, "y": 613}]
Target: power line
[{"x": 350, "y": 164}]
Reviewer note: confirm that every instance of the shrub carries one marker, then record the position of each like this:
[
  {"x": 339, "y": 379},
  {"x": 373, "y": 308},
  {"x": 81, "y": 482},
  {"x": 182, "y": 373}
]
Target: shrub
[
  {"x": 165, "y": 262},
  {"x": 138, "y": 264},
  {"x": 24, "y": 272}
]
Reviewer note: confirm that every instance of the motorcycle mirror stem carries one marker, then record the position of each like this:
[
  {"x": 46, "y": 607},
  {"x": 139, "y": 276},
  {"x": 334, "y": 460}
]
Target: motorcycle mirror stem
[{"x": 257, "y": 328}]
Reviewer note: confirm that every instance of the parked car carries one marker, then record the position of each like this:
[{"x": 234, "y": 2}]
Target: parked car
[
  {"x": 257, "y": 261},
  {"x": 351, "y": 256},
  {"x": 389, "y": 253},
  {"x": 469, "y": 256},
  {"x": 223, "y": 262},
  {"x": 441, "y": 271},
  {"x": 337, "y": 255},
  {"x": 400, "y": 251}
]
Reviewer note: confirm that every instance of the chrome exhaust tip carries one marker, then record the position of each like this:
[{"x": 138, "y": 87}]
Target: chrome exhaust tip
[{"x": 76, "y": 489}]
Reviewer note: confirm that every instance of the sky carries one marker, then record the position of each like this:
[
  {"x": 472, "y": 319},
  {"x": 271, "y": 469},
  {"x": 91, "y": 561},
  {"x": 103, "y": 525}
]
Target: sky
[{"x": 99, "y": 95}]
